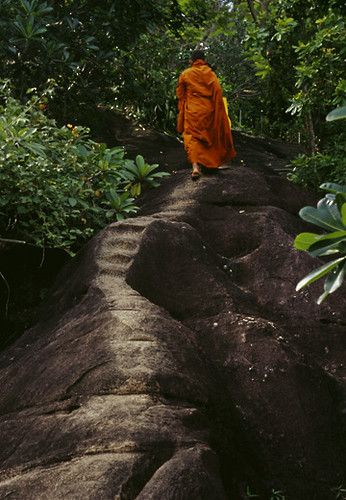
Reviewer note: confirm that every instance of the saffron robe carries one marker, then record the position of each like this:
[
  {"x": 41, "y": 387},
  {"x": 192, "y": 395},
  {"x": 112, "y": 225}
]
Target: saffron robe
[{"x": 202, "y": 117}]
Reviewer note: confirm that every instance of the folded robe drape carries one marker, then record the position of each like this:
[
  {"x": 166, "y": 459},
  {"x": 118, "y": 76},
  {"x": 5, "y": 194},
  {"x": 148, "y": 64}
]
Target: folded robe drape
[{"x": 202, "y": 117}]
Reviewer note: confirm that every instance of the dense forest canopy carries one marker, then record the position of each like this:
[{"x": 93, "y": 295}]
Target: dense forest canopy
[{"x": 282, "y": 63}]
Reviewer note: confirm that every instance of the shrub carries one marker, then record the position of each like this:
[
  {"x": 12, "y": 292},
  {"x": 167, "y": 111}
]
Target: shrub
[
  {"x": 59, "y": 186},
  {"x": 310, "y": 171},
  {"x": 330, "y": 215}
]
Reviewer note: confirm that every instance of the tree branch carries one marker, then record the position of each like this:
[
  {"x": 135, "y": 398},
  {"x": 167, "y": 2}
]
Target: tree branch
[{"x": 252, "y": 10}]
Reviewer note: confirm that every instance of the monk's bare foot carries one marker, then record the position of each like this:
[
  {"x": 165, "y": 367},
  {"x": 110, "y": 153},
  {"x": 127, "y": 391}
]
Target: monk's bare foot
[{"x": 196, "y": 171}]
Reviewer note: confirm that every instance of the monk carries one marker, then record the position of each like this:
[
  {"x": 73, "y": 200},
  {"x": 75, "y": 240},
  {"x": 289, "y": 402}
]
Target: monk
[{"x": 202, "y": 117}]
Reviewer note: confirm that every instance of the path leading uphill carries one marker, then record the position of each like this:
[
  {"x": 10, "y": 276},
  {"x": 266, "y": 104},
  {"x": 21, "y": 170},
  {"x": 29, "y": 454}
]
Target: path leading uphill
[
  {"x": 168, "y": 152},
  {"x": 174, "y": 360}
]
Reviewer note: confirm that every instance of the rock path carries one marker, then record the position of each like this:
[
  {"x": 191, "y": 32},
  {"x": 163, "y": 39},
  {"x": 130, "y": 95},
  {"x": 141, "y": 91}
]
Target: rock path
[{"x": 173, "y": 359}]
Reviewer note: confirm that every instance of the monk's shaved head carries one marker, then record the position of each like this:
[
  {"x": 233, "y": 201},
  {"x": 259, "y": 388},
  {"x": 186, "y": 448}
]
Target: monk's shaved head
[{"x": 197, "y": 54}]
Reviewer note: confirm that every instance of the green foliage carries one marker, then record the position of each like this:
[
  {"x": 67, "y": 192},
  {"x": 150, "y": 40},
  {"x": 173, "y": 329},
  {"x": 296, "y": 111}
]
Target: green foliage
[
  {"x": 319, "y": 71},
  {"x": 151, "y": 73},
  {"x": 249, "y": 494},
  {"x": 274, "y": 495},
  {"x": 311, "y": 170},
  {"x": 336, "y": 114},
  {"x": 137, "y": 173},
  {"x": 340, "y": 492},
  {"x": 329, "y": 215},
  {"x": 59, "y": 186},
  {"x": 298, "y": 49},
  {"x": 81, "y": 44},
  {"x": 277, "y": 495},
  {"x": 129, "y": 54},
  {"x": 151, "y": 70}
]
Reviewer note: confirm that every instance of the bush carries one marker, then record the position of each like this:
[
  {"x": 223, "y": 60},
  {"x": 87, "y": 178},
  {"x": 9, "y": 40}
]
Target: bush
[
  {"x": 79, "y": 43},
  {"x": 311, "y": 171},
  {"x": 59, "y": 186}
]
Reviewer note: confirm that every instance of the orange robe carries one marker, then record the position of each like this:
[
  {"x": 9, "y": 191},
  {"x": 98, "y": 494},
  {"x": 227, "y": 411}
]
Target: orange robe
[{"x": 202, "y": 118}]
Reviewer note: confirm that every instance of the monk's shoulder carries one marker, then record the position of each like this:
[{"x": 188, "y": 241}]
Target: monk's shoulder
[
  {"x": 186, "y": 72},
  {"x": 190, "y": 74},
  {"x": 210, "y": 73},
  {"x": 198, "y": 72},
  {"x": 183, "y": 76}
]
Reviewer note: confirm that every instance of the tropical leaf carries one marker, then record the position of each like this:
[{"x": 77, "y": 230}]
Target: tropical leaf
[
  {"x": 150, "y": 168},
  {"x": 319, "y": 273},
  {"x": 332, "y": 236},
  {"x": 332, "y": 187},
  {"x": 140, "y": 161},
  {"x": 336, "y": 114},
  {"x": 323, "y": 216},
  {"x": 333, "y": 282},
  {"x": 132, "y": 168},
  {"x": 322, "y": 248},
  {"x": 343, "y": 213},
  {"x": 304, "y": 240},
  {"x": 159, "y": 175},
  {"x": 72, "y": 201},
  {"x": 340, "y": 199}
]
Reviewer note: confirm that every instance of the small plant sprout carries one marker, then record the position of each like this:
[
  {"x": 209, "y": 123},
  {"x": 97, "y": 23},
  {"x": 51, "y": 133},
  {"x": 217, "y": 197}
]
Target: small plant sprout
[
  {"x": 277, "y": 495},
  {"x": 249, "y": 494},
  {"x": 340, "y": 492},
  {"x": 138, "y": 173}
]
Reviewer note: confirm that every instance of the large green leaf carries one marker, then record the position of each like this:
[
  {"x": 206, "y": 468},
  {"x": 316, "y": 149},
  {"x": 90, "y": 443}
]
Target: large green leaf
[
  {"x": 336, "y": 114},
  {"x": 343, "y": 214},
  {"x": 82, "y": 150},
  {"x": 140, "y": 162},
  {"x": 332, "y": 236},
  {"x": 332, "y": 187},
  {"x": 132, "y": 168},
  {"x": 304, "y": 240},
  {"x": 160, "y": 174},
  {"x": 323, "y": 216},
  {"x": 340, "y": 199},
  {"x": 319, "y": 272},
  {"x": 72, "y": 201},
  {"x": 151, "y": 168},
  {"x": 333, "y": 281},
  {"x": 324, "y": 247}
]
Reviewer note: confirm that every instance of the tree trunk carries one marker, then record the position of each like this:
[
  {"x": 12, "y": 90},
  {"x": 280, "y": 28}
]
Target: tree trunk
[{"x": 311, "y": 133}]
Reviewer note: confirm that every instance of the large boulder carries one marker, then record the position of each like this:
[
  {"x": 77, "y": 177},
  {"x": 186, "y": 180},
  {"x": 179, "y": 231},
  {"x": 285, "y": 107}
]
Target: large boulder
[{"x": 175, "y": 360}]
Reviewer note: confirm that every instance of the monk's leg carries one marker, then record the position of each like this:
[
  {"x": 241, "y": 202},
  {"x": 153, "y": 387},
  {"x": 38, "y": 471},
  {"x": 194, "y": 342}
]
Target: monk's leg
[
  {"x": 196, "y": 169},
  {"x": 192, "y": 154}
]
